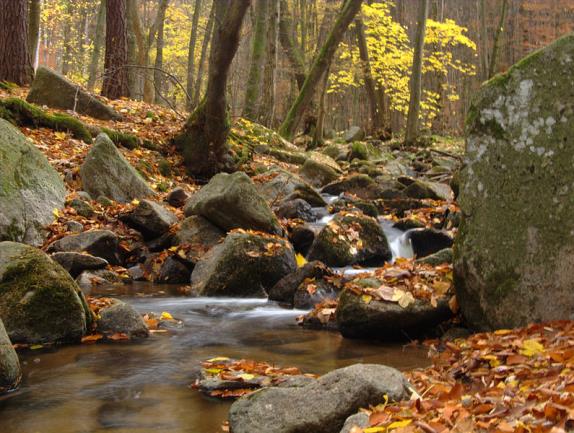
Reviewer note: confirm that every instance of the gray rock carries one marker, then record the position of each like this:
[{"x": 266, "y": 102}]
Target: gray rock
[
  {"x": 39, "y": 301},
  {"x": 514, "y": 256},
  {"x": 318, "y": 174},
  {"x": 429, "y": 241},
  {"x": 174, "y": 271},
  {"x": 150, "y": 218},
  {"x": 123, "y": 318},
  {"x": 432, "y": 190},
  {"x": 76, "y": 263},
  {"x": 177, "y": 197},
  {"x": 98, "y": 243},
  {"x": 231, "y": 201},
  {"x": 351, "y": 238},
  {"x": 54, "y": 90},
  {"x": 105, "y": 172},
  {"x": 361, "y": 185},
  {"x": 243, "y": 265},
  {"x": 360, "y": 420},
  {"x": 285, "y": 185},
  {"x": 321, "y": 406},
  {"x": 31, "y": 188},
  {"x": 354, "y": 133},
  {"x": 88, "y": 279},
  {"x": 384, "y": 320},
  {"x": 438, "y": 258},
  {"x": 297, "y": 208},
  {"x": 196, "y": 230},
  {"x": 10, "y": 372},
  {"x": 284, "y": 290},
  {"x": 82, "y": 207},
  {"x": 74, "y": 226}
]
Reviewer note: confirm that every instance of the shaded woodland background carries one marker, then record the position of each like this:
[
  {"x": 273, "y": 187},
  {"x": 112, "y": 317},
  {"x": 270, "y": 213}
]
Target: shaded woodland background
[{"x": 72, "y": 39}]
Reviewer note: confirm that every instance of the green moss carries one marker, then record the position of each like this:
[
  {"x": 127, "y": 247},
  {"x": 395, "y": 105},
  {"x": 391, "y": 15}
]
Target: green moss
[
  {"x": 22, "y": 113},
  {"x": 359, "y": 150},
  {"x": 164, "y": 167},
  {"x": 129, "y": 141}
]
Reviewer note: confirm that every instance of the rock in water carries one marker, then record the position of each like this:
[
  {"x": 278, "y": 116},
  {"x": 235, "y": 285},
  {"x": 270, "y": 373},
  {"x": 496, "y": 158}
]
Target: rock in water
[
  {"x": 54, "y": 90},
  {"x": 123, "y": 318},
  {"x": 514, "y": 257},
  {"x": 243, "y": 265},
  {"x": 231, "y": 201},
  {"x": 30, "y": 189},
  {"x": 39, "y": 301},
  {"x": 321, "y": 406},
  {"x": 10, "y": 373},
  {"x": 105, "y": 172}
]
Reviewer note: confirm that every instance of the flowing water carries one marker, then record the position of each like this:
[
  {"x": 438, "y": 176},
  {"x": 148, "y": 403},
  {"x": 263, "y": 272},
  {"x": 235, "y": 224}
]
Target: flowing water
[{"x": 143, "y": 387}]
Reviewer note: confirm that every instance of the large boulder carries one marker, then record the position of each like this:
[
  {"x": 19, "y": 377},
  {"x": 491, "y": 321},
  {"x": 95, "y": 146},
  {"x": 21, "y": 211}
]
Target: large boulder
[
  {"x": 10, "y": 372},
  {"x": 351, "y": 238},
  {"x": 321, "y": 406},
  {"x": 98, "y": 243},
  {"x": 54, "y": 90},
  {"x": 39, "y": 301},
  {"x": 317, "y": 173},
  {"x": 30, "y": 189},
  {"x": 514, "y": 256},
  {"x": 243, "y": 265},
  {"x": 106, "y": 172},
  {"x": 149, "y": 218},
  {"x": 231, "y": 201},
  {"x": 386, "y": 320}
]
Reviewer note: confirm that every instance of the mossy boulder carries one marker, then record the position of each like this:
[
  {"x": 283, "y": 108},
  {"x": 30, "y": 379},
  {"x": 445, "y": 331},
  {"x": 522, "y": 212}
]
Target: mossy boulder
[
  {"x": 54, "y": 90},
  {"x": 232, "y": 201},
  {"x": 106, "y": 172},
  {"x": 10, "y": 372},
  {"x": 243, "y": 265},
  {"x": 361, "y": 185},
  {"x": 351, "y": 238},
  {"x": 39, "y": 301},
  {"x": 30, "y": 189},
  {"x": 514, "y": 255},
  {"x": 317, "y": 173}
]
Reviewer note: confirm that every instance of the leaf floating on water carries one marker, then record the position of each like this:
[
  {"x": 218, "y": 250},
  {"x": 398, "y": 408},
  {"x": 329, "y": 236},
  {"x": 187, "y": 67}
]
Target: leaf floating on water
[
  {"x": 166, "y": 316},
  {"x": 218, "y": 359}
]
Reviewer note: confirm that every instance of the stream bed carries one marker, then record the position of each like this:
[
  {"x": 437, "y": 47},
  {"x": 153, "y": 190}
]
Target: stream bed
[{"x": 144, "y": 387}]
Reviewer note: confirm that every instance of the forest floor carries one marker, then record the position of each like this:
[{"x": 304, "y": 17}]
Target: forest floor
[{"x": 504, "y": 381}]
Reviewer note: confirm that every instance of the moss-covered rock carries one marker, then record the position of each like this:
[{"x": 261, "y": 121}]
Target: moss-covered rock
[
  {"x": 243, "y": 265},
  {"x": 361, "y": 185},
  {"x": 317, "y": 173},
  {"x": 39, "y": 301},
  {"x": 351, "y": 238},
  {"x": 515, "y": 251},
  {"x": 30, "y": 189},
  {"x": 10, "y": 372}
]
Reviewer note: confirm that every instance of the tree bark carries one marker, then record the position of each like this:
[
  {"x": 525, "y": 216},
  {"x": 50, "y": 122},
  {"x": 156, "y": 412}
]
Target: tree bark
[
  {"x": 292, "y": 51},
  {"x": 203, "y": 56},
  {"x": 98, "y": 42},
  {"x": 483, "y": 40},
  {"x": 34, "y": 10},
  {"x": 253, "y": 90},
  {"x": 320, "y": 65},
  {"x": 496, "y": 43},
  {"x": 267, "y": 106},
  {"x": 204, "y": 138},
  {"x": 158, "y": 79},
  {"x": 412, "y": 132},
  {"x": 191, "y": 53},
  {"x": 15, "y": 65},
  {"x": 115, "y": 72}
]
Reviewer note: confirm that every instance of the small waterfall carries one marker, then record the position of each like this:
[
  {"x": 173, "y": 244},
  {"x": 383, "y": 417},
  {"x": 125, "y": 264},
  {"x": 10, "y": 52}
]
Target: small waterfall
[{"x": 399, "y": 241}]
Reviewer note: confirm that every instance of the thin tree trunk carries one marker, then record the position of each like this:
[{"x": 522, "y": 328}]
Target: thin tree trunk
[
  {"x": 375, "y": 113},
  {"x": 292, "y": 51},
  {"x": 416, "y": 77},
  {"x": 133, "y": 73},
  {"x": 15, "y": 65},
  {"x": 144, "y": 56},
  {"x": 191, "y": 53},
  {"x": 496, "y": 43},
  {"x": 204, "y": 138},
  {"x": 320, "y": 65},
  {"x": 267, "y": 108},
  {"x": 115, "y": 72},
  {"x": 67, "y": 57},
  {"x": 203, "y": 56},
  {"x": 253, "y": 90},
  {"x": 34, "y": 30},
  {"x": 483, "y": 40},
  {"x": 98, "y": 42},
  {"x": 158, "y": 78}
]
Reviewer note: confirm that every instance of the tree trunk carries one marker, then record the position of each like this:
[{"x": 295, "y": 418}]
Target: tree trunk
[
  {"x": 115, "y": 72},
  {"x": 320, "y": 65},
  {"x": 292, "y": 51},
  {"x": 267, "y": 107},
  {"x": 204, "y": 138},
  {"x": 203, "y": 56},
  {"x": 496, "y": 43},
  {"x": 158, "y": 79},
  {"x": 375, "y": 113},
  {"x": 191, "y": 53},
  {"x": 15, "y": 65},
  {"x": 34, "y": 12},
  {"x": 67, "y": 57},
  {"x": 133, "y": 73},
  {"x": 483, "y": 40},
  {"x": 416, "y": 77},
  {"x": 253, "y": 90},
  {"x": 98, "y": 42}
]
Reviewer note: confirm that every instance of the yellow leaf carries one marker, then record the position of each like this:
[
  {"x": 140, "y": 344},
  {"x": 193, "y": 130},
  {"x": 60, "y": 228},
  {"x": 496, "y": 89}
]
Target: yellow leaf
[
  {"x": 404, "y": 299},
  {"x": 56, "y": 213},
  {"x": 36, "y": 346},
  {"x": 247, "y": 376},
  {"x": 218, "y": 359},
  {"x": 166, "y": 316},
  {"x": 375, "y": 430},
  {"x": 366, "y": 298},
  {"x": 301, "y": 261},
  {"x": 398, "y": 424},
  {"x": 531, "y": 348},
  {"x": 60, "y": 135},
  {"x": 135, "y": 202},
  {"x": 213, "y": 370}
]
